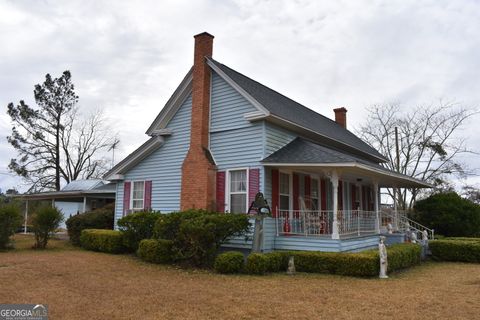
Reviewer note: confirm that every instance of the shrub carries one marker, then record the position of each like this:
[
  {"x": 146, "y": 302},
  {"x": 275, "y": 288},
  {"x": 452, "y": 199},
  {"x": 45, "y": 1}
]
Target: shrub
[
  {"x": 10, "y": 220},
  {"x": 257, "y": 263},
  {"x": 109, "y": 241},
  {"x": 455, "y": 250},
  {"x": 136, "y": 227},
  {"x": 198, "y": 234},
  {"x": 360, "y": 264},
  {"x": 449, "y": 214},
  {"x": 168, "y": 225},
  {"x": 44, "y": 223},
  {"x": 155, "y": 251},
  {"x": 229, "y": 262},
  {"x": 101, "y": 218}
]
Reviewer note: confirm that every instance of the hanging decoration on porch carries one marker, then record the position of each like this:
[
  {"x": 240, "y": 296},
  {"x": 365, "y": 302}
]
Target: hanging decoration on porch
[
  {"x": 262, "y": 209},
  {"x": 383, "y": 258}
]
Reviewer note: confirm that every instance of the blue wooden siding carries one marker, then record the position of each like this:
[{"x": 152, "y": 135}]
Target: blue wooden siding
[
  {"x": 163, "y": 166},
  {"x": 234, "y": 141},
  {"x": 276, "y": 138}
]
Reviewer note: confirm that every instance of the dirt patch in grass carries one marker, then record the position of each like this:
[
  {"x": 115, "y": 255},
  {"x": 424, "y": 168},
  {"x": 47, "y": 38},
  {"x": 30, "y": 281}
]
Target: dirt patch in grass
[{"x": 78, "y": 284}]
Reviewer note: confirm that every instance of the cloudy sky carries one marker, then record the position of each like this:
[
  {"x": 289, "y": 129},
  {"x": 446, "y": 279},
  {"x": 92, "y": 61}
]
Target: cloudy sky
[{"x": 127, "y": 57}]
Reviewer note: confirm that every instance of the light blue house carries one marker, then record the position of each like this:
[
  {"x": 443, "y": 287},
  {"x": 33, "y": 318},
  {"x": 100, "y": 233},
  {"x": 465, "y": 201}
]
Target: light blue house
[{"x": 222, "y": 137}]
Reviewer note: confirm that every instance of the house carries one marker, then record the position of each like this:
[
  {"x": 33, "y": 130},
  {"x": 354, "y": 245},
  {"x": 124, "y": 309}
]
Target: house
[
  {"x": 76, "y": 197},
  {"x": 222, "y": 137}
]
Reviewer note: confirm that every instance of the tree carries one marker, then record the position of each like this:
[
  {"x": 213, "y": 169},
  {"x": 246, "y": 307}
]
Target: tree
[
  {"x": 428, "y": 143},
  {"x": 449, "y": 215},
  {"x": 52, "y": 141}
]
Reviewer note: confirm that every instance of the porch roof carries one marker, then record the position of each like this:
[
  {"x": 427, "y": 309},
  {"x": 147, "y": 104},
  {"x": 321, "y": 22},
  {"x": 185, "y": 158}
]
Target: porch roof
[{"x": 308, "y": 155}]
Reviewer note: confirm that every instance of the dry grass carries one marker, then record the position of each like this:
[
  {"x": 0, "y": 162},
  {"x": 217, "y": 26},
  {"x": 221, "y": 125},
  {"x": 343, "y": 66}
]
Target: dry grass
[{"x": 77, "y": 284}]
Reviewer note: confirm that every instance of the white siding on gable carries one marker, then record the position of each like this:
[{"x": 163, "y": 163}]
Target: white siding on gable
[{"x": 164, "y": 166}]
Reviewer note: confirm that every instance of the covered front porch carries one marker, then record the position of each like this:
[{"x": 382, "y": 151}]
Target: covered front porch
[{"x": 335, "y": 201}]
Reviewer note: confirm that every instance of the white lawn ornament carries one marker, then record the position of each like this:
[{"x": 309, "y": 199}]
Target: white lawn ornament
[
  {"x": 291, "y": 265},
  {"x": 414, "y": 237},
  {"x": 383, "y": 258},
  {"x": 425, "y": 235},
  {"x": 389, "y": 228}
]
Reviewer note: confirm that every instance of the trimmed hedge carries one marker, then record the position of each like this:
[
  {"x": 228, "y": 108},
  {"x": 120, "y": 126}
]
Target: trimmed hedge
[
  {"x": 456, "y": 250},
  {"x": 136, "y": 227},
  {"x": 101, "y": 218},
  {"x": 257, "y": 263},
  {"x": 361, "y": 264},
  {"x": 155, "y": 251},
  {"x": 109, "y": 241},
  {"x": 229, "y": 262}
]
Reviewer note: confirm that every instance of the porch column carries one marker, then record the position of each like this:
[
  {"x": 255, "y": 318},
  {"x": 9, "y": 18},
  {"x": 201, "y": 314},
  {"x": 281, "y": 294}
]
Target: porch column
[
  {"x": 26, "y": 217},
  {"x": 395, "y": 208},
  {"x": 53, "y": 203},
  {"x": 84, "y": 204},
  {"x": 377, "y": 212},
  {"x": 334, "y": 180}
]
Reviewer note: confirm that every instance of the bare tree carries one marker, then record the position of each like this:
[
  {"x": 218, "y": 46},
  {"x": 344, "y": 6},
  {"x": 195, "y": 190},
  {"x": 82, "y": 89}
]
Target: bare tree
[
  {"x": 428, "y": 143},
  {"x": 52, "y": 141}
]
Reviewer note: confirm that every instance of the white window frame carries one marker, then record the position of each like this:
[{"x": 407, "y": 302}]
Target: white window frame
[
  {"x": 132, "y": 184},
  {"x": 227, "y": 188}
]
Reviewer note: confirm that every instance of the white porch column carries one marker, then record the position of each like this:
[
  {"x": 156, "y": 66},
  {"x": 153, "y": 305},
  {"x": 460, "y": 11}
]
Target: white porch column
[
  {"x": 334, "y": 180},
  {"x": 53, "y": 203},
  {"x": 84, "y": 204},
  {"x": 377, "y": 212},
  {"x": 395, "y": 208},
  {"x": 26, "y": 217}
]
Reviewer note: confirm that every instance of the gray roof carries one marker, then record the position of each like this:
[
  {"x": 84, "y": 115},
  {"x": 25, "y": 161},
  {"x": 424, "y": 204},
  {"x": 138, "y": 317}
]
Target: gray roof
[
  {"x": 287, "y": 109},
  {"x": 83, "y": 185},
  {"x": 304, "y": 151}
]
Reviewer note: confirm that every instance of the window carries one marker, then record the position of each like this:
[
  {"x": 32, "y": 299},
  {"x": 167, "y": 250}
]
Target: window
[
  {"x": 284, "y": 191},
  {"x": 238, "y": 191},
  {"x": 314, "y": 194},
  {"x": 138, "y": 193}
]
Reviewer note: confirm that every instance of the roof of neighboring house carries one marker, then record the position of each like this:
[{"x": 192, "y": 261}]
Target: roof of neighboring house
[
  {"x": 76, "y": 189},
  {"x": 306, "y": 152},
  {"x": 290, "y": 110},
  {"x": 81, "y": 185}
]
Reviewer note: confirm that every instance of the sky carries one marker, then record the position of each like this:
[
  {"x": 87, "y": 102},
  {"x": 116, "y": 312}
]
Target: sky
[{"x": 127, "y": 57}]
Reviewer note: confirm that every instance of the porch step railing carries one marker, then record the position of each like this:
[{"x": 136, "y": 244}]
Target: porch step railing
[
  {"x": 319, "y": 223},
  {"x": 402, "y": 223}
]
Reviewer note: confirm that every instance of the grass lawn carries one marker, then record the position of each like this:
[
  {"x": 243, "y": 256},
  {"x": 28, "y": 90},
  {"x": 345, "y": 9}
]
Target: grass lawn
[{"x": 78, "y": 284}]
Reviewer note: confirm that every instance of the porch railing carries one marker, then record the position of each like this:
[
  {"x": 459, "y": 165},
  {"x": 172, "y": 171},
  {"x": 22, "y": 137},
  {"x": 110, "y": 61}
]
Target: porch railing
[{"x": 319, "y": 223}]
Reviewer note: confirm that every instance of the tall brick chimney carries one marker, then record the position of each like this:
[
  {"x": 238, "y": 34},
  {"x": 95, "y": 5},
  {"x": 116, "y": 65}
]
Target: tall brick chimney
[
  {"x": 341, "y": 116},
  {"x": 198, "y": 169}
]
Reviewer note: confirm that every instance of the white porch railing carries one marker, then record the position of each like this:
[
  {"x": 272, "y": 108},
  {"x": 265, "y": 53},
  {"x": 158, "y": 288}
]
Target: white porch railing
[
  {"x": 401, "y": 222},
  {"x": 319, "y": 223}
]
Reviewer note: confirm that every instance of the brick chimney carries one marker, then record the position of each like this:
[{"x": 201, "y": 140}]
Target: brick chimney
[
  {"x": 341, "y": 116},
  {"x": 198, "y": 168}
]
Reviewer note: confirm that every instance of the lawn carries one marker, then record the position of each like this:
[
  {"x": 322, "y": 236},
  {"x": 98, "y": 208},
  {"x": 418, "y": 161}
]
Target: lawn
[{"x": 78, "y": 284}]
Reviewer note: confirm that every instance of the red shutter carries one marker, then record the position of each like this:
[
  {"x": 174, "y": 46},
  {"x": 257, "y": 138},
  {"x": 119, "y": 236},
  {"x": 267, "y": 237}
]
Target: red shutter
[
  {"x": 126, "y": 196},
  {"x": 340, "y": 195},
  {"x": 221, "y": 191},
  {"x": 253, "y": 184},
  {"x": 323, "y": 187},
  {"x": 147, "y": 198},
  {"x": 308, "y": 193},
  {"x": 275, "y": 191},
  {"x": 295, "y": 191}
]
